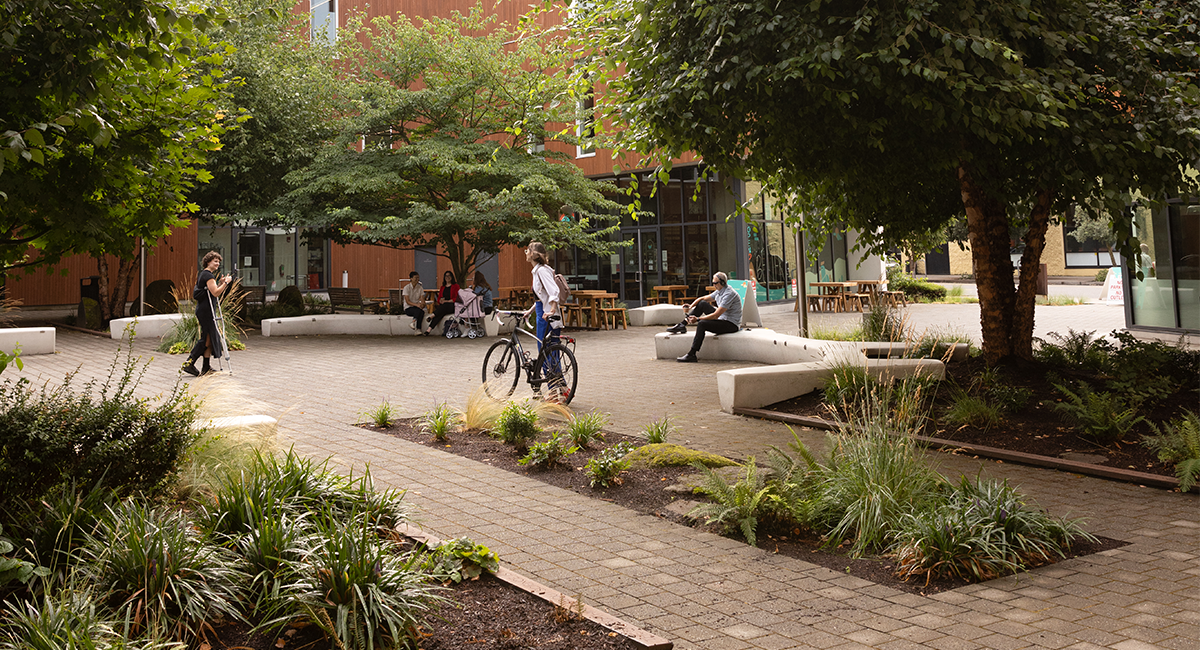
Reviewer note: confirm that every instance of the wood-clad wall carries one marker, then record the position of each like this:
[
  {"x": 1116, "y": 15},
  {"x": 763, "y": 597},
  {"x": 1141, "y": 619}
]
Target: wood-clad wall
[{"x": 173, "y": 259}]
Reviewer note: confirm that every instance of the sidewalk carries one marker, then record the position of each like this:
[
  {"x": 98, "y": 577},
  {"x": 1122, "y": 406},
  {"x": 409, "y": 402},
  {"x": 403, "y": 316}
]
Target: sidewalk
[{"x": 700, "y": 590}]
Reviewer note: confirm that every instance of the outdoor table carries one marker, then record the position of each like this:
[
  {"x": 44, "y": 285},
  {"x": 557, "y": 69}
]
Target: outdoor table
[
  {"x": 833, "y": 293},
  {"x": 673, "y": 292},
  {"x": 588, "y": 302},
  {"x": 869, "y": 287}
]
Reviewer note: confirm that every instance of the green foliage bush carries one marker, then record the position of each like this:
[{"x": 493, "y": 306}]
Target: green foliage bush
[
  {"x": 550, "y": 453},
  {"x": 462, "y": 559},
  {"x": 1178, "y": 442},
  {"x": 848, "y": 385},
  {"x": 605, "y": 467},
  {"x": 916, "y": 289},
  {"x": 659, "y": 430},
  {"x": 586, "y": 428},
  {"x": 290, "y": 296},
  {"x": 517, "y": 425},
  {"x": 883, "y": 322},
  {"x": 735, "y": 506},
  {"x": 57, "y": 435},
  {"x": 440, "y": 421},
  {"x": 1105, "y": 416}
]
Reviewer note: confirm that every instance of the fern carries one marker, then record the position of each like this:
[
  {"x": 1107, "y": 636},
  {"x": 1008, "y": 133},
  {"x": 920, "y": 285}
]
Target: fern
[
  {"x": 1179, "y": 442},
  {"x": 735, "y": 505},
  {"x": 1103, "y": 416}
]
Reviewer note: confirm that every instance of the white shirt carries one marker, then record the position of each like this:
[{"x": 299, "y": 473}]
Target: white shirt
[{"x": 544, "y": 286}]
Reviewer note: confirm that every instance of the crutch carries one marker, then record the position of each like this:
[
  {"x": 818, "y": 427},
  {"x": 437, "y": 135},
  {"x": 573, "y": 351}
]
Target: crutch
[{"x": 219, "y": 319}]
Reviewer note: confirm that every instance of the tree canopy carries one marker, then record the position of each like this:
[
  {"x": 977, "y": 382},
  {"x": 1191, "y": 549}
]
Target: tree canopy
[
  {"x": 439, "y": 148},
  {"x": 109, "y": 111},
  {"x": 896, "y": 117}
]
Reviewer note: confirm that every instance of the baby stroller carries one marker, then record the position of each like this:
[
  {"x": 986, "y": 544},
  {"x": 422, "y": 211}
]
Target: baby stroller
[{"x": 468, "y": 312}]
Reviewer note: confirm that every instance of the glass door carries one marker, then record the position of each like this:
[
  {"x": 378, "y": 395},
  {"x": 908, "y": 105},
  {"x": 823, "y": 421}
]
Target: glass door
[{"x": 641, "y": 267}]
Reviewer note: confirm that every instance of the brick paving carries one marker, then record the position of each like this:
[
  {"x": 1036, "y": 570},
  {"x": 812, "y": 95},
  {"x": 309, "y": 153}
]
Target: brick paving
[{"x": 698, "y": 589}]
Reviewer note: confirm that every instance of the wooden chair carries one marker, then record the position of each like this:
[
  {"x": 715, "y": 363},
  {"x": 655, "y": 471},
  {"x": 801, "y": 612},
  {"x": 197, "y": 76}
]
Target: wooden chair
[
  {"x": 341, "y": 298},
  {"x": 895, "y": 298},
  {"x": 614, "y": 315},
  {"x": 862, "y": 300},
  {"x": 572, "y": 313},
  {"x": 814, "y": 303}
]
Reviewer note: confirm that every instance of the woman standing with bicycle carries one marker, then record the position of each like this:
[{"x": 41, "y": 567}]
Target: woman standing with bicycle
[{"x": 546, "y": 290}]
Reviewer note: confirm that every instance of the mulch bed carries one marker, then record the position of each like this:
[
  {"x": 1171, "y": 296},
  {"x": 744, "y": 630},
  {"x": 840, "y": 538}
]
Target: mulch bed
[
  {"x": 644, "y": 491},
  {"x": 1038, "y": 429}
]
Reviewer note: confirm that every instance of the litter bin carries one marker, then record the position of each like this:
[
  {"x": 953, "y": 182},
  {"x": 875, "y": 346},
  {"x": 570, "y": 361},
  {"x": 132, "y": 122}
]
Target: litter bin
[
  {"x": 1043, "y": 281},
  {"x": 89, "y": 287}
]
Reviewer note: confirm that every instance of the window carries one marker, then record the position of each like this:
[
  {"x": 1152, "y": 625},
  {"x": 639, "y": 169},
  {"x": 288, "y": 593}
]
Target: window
[
  {"x": 1087, "y": 249},
  {"x": 323, "y": 21}
]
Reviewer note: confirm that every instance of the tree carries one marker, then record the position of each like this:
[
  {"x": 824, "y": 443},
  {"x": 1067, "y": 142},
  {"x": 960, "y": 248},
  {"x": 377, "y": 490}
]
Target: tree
[
  {"x": 98, "y": 197},
  {"x": 438, "y": 149},
  {"x": 288, "y": 90},
  {"x": 902, "y": 115}
]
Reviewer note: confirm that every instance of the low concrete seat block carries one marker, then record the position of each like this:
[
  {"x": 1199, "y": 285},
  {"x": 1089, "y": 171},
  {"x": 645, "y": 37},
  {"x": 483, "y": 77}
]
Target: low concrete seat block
[
  {"x": 656, "y": 315},
  {"x": 260, "y": 423},
  {"x": 155, "y": 325},
  {"x": 362, "y": 324},
  {"x": 760, "y": 386},
  {"x": 33, "y": 340},
  {"x": 761, "y": 346},
  {"x": 883, "y": 350}
]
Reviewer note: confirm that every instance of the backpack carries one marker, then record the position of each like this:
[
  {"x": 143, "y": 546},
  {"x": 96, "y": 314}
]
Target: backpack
[{"x": 564, "y": 292}]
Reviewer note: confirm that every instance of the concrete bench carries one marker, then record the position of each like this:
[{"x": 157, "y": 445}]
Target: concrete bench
[
  {"x": 758, "y": 345},
  {"x": 155, "y": 325},
  {"x": 33, "y": 340},
  {"x": 759, "y": 386},
  {"x": 885, "y": 350},
  {"x": 656, "y": 315},
  {"x": 367, "y": 324}
]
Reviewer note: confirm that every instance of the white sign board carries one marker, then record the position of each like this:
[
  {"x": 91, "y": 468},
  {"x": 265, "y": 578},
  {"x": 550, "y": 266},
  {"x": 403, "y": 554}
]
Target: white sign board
[{"x": 1114, "y": 289}]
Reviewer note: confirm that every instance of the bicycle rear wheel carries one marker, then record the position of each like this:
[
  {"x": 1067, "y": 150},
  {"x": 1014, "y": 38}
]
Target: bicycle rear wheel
[
  {"x": 501, "y": 370},
  {"x": 561, "y": 373}
]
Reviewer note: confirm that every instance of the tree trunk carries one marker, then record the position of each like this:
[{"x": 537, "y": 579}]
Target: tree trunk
[
  {"x": 102, "y": 269},
  {"x": 1035, "y": 243},
  {"x": 987, "y": 227},
  {"x": 120, "y": 292}
]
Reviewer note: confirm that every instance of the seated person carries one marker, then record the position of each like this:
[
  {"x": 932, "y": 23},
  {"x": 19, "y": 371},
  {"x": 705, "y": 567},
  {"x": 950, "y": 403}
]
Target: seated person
[
  {"x": 447, "y": 294},
  {"x": 414, "y": 300},
  {"x": 720, "y": 312}
]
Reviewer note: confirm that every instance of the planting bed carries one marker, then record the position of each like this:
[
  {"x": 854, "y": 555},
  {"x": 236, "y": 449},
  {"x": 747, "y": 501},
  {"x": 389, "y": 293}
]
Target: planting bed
[{"x": 645, "y": 491}]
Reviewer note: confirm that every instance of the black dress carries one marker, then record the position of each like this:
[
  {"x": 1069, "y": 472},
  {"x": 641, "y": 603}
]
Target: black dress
[{"x": 205, "y": 318}]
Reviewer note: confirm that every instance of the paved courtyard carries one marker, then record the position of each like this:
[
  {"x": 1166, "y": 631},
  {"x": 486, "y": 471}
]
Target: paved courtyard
[{"x": 698, "y": 589}]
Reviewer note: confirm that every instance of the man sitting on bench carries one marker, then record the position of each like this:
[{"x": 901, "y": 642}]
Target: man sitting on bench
[{"x": 720, "y": 312}]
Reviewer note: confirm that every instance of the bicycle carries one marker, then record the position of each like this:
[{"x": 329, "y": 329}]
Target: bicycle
[{"x": 554, "y": 365}]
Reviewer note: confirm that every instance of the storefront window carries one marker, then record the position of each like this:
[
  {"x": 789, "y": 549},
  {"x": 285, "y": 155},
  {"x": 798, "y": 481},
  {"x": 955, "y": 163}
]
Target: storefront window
[
  {"x": 1153, "y": 304},
  {"x": 1185, "y": 241},
  {"x": 313, "y": 260}
]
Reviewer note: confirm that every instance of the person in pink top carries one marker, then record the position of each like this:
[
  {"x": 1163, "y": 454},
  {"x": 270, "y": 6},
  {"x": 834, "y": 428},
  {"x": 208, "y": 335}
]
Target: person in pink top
[{"x": 447, "y": 294}]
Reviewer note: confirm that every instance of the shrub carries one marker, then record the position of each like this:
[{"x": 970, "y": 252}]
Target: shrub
[
  {"x": 57, "y": 435},
  {"x": 184, "y": 334},
  {"x": 883, "y": 322},
  {"x": 982, "y": 530},
  {"x": 970, "y": 410},
  {"x": 1074, "y": 350},
  {"x": 1178, "y": 442},
  {"x": 586, "y": 428},
  {"x": 66, "y": 618},
  {"x": 517, "y": 425},
  {"x": 847, "y": 386},
  {"x": 462, "y": 559},
  {"x": 658, "y": 430},
  {"x": 550, "y": 453},
  {"x": 1103, "y": 416},
  {"x": 58, "y": 525},
  {"x": 290, "y": 296},
  {"x": 158, "y": 573},
  {"x": 439, "y": 421},
  {"x": 605, "y": 467},
  {"x": 359, "y": 590},
  {"x": 917, "y": 289},
  {"x": 736, "y": 506}
]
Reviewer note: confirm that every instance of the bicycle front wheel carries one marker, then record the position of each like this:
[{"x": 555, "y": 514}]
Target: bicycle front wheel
[
  {"x": 501, "y": 370},
  {"x": 561, "y": 373}
]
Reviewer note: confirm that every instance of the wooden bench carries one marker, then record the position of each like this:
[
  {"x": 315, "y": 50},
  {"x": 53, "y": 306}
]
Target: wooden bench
[
  {"x": 347, "y": 298},
  {"x": 254, "y": 294}
]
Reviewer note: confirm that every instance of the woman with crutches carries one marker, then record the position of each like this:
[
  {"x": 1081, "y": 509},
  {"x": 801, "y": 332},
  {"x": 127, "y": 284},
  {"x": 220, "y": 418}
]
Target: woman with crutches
[{"x": 208, "y": 290}]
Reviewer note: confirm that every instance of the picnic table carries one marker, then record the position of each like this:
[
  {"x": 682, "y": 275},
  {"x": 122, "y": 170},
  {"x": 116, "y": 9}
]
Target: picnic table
[{"x": 673, "y": 292}]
